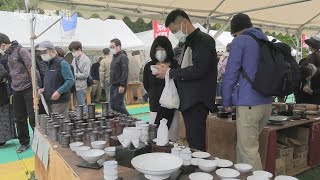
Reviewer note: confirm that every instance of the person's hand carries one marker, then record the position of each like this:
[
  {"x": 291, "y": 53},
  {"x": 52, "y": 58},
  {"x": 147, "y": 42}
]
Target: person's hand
[
  {"x": 228, "y": 109},
  {"x": 307, "y": 89},
  {"x": 40, "y": 91},
  {"x": 162, "y": 70},
  {"x": 121, "y": 89},
  {"x": 55, "y": 96}
]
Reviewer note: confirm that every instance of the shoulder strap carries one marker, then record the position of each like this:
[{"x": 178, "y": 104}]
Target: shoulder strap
[
  {"x": 77, "y": 65},
  {"x": 259, "y": 41},
  {"x": 245, "y": 75},
  {"x": 21, "y": 61}
]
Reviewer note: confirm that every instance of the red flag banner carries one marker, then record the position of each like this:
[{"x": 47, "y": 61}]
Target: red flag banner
[
  {"x": 159, "y": 30},
  {"x": 303, "y": 38}
]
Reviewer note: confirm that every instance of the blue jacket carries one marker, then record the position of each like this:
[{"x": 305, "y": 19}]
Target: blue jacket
[{"x": 245, "y": 53}]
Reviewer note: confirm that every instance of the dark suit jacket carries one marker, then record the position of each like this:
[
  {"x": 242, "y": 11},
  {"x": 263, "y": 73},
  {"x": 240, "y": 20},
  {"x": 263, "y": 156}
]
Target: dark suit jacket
[{"x": 197, "y": 83}]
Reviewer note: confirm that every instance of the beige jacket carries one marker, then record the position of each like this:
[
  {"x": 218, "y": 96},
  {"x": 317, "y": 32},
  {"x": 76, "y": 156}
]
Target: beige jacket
[{"x": 105, "y": 69}]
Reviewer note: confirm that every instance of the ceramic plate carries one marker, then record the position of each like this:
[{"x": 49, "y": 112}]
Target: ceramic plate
[
  {"x": 263, "y": 173},
  {"x": 201, "y": 155},
  {"x": 200, "y": 175},
  {"x": 278, "y": 118},
  {"x": 285, "y": 178},
  {"x": 255, "y": 177},
  {"x": 223, "y": 163},
  {"x": 227, "y": 173}
]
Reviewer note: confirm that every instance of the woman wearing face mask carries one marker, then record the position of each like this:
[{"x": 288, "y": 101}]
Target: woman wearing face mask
[{"x": 161, "y": 53}]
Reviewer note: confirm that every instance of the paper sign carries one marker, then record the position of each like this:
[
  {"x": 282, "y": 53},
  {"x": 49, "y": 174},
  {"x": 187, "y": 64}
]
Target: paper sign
[
  {"x": 45, "y": 157},
  {"x": 40, "y": 147},
  {"x": 35, "y": 141},
  {"x": 159, "y": 30},
  {"x": 44, "y": 103}
]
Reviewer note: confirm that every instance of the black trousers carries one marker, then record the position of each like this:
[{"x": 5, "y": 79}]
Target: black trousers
[
  {"x": 195, "y": 121},
  {"x": 23, "y": 108},
  {"x": 117, "y": 100}
]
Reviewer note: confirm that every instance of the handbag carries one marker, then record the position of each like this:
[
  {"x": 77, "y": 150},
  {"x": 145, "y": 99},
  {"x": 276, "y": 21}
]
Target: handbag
[{"x": 89, "y": 79}]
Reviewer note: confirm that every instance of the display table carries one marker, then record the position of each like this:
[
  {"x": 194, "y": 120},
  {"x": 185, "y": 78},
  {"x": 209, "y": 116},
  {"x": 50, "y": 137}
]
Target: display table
[
  {"x": 63, "y": 166},
  {"x": 222, "y": 139}
]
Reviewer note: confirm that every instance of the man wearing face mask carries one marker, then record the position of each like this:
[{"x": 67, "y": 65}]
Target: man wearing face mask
[
  {"x": 118, "y": 77},
  {"x": 58, "y": 79},
  {"x": 19, "y": 66},
  {"x": 81, "y": 65},
  {"x": 197, "y": 81}
]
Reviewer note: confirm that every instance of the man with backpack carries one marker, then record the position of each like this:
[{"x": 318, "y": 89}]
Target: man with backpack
[
  {"x": 58, "y": 80},
  {"x": 19, "y": 66},
  {"x": 253, "y": 108}
]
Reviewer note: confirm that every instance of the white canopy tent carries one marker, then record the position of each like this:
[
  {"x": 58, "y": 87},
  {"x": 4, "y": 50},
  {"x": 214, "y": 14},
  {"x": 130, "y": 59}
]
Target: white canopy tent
[
  {"x": 290, "y": 16},
  {"x": 94, "y": 34},
  {"x": 147, "y": 38},
  {"x": 226, "y": 38}
]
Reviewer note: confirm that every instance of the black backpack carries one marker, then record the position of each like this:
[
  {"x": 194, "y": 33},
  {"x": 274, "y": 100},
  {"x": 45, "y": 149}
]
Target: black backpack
[{"x": 277, "y": 75}]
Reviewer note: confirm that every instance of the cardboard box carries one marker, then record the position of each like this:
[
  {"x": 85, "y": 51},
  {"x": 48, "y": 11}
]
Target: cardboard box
[
  {"x": 283, "y": 151},
  {"x": 303, "y": 135},
  {"x": 289, "y": 164},
  {"x": 280, "y": 166}
]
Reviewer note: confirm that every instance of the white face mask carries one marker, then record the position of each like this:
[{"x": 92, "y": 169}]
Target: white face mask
[
  {"x": 2, "y": 51},
  {"x": 180, "y": 35},
  {"x": 161, "y": 55},
  {"x": 112, "y": 51},
  {"x": 75, "y": 54},
  {"x": 46, "y": 57}
]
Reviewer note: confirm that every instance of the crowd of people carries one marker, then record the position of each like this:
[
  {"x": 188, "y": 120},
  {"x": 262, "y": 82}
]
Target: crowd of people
[
  {"x": 58, "y": 80},
  {"x": 193, "y": 65}
]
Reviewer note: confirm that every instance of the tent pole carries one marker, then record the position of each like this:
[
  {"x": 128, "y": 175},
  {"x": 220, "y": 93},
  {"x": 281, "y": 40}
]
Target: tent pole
[
  {"x": 301, "y": 46},
  {"x": 49, "y": 27},
  {"x": 298, "y": 45},
  {"x": 208, "y": 25},
  {"x": 222, "y": 29},
  {"x": 221, "y": 2},
  {"x": 33, "y": 71},
  {"x": 262, "y": 8},
  {"x": 309, "y": 20},
  {"x": 291, "y": 39}
]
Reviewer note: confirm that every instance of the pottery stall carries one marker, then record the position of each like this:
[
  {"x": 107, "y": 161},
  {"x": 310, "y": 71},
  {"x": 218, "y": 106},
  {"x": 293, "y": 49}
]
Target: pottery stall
[{"x": 114, "y": 146}]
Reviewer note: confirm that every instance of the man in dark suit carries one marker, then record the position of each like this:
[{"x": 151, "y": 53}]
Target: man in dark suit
[{"x": 197, "y": 82}]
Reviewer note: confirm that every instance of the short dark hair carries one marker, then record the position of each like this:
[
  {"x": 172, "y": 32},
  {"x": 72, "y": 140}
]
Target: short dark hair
[
  {"x": 4, "y": 39},
  {"x": 106, "y": 51},
  {"x": 75, "y": 45},
  {"x": 60, "y": 52},
  {"x": 165, "y": 43},
  {"x": 173, "y": 15},
  {"x": 116, "y": 41}
]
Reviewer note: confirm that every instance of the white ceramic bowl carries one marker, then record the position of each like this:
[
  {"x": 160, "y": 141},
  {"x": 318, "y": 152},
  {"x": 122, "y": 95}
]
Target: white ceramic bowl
[
  {"x": 80, "y": 149},
  {"x": 110, "y": 151},
  {"x": 223, "y": 163},
  {"x": 157, "y": 165},
  {"x": 263, "y": 173},
  {"x": 227, "y": 173},
  {"x": 75, "y": 144},
  {"x": 98, "y": 144},
  {"x": 282, "y": 177},
  {"x": 200, "y": 154},
  {"x": 207, "y": 165},
  {"x": 200, "y": 175},
  {"x": 255, "y": 177},
  {"x": 244, "y": 168},
  {"x": 195, "y": 161},
  {"x": 92, "y": 155}
]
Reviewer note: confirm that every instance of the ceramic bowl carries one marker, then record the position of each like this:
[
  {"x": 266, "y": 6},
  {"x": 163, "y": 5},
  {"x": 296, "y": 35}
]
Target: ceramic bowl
[
  {"x": 110, "y": 151},
  {"x": 263, "y": 173},
  {"x": 207, "y": 165},
  {"x": 92, "y": 155},
  {"x": 200, "y": 154},
  {"x": 200, "y": 175},
  {"x": 165, "y": 164},
  {"x": 224, "y": 173},
  {"x": 282, "y": 177},
  {"x": 255, "y": 177},
  {"x": 195, "y": 161},
  {"x": 75, "y": 144},
  {"x": 98, "y": 144},
  {"x": 244, "y": 168},
  {"x": 153, "y": 69},
  {"x": 223, "y": 163},
  {"x": 79, "y": 149}
]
